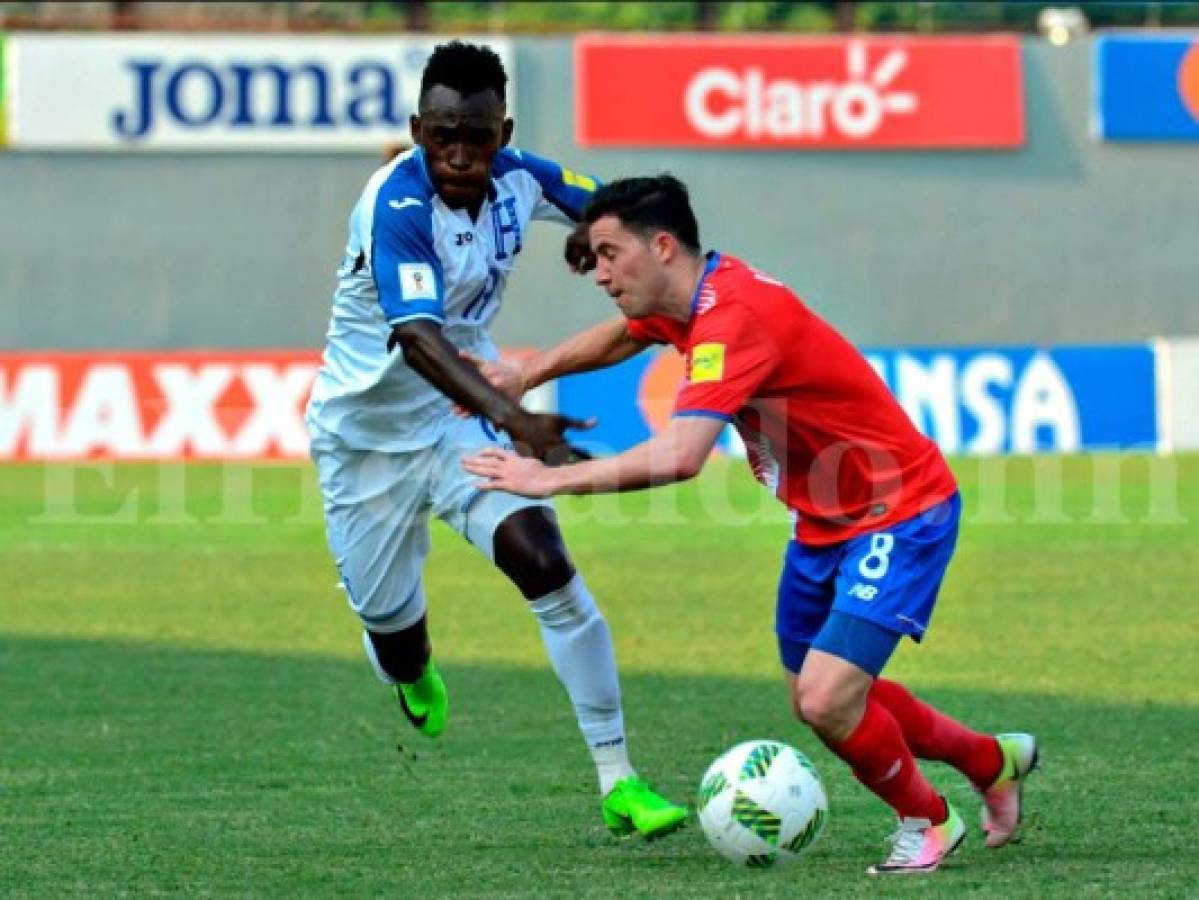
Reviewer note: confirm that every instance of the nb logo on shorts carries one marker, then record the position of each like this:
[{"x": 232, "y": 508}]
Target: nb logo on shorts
[{"x": 865, "y": 592}]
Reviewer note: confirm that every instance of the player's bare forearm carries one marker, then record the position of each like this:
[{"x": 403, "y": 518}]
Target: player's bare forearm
[
  {"x": 675, "y": 455},
  {"x": 439, "y": 362},
  {"x": 651, "y": 464},
  {"x": 598, "y": 347}
]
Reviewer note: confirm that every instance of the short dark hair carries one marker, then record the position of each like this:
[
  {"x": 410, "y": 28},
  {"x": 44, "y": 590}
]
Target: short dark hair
[
  {"x": 646, "y": 205},
  {"x": 467, "y": 68}
]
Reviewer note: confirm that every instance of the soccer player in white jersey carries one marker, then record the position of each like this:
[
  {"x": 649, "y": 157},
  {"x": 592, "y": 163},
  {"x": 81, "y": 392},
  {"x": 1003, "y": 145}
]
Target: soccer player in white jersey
[{"x": 432, "y": 241}]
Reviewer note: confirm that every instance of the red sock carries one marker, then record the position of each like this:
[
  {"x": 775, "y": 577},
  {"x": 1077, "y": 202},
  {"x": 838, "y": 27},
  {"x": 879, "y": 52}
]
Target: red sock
[
  {"x": 933, "y": 735},
  {"x": 883, "y": 763}
]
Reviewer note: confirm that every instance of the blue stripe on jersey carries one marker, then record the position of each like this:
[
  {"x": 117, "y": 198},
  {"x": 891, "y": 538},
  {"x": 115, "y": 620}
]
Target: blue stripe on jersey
[
  {"x": 483, "y": 297},
  {"x": 565, "y": 189},
  {"x": 407, "y": 272},
  {"x": 701, "y": 414}
]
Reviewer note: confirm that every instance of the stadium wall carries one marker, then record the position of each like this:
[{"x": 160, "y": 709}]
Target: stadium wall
[{"x": 1064, "y": 240}]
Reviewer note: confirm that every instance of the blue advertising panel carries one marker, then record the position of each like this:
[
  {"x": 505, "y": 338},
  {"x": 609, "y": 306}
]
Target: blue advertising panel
[
  {"x": 977, "y": 400},
  {"x": 1147, "y": 88}
]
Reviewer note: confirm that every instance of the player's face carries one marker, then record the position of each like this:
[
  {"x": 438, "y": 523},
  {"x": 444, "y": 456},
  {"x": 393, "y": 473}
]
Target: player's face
[
  {"x": 461, "y": 136},
  {"x": 627, "y": 268}
]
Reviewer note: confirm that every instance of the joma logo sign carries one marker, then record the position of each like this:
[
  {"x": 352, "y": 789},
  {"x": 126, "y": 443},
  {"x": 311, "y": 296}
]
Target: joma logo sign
[{"x": 258, "y": 95}]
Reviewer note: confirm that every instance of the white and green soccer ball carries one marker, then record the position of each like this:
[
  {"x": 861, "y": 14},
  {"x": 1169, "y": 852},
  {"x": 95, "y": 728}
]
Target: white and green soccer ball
[{"x": 762, "y": 804}]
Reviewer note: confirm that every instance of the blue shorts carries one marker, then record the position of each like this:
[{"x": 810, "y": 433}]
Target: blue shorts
[{"x": 889, "y": 578}]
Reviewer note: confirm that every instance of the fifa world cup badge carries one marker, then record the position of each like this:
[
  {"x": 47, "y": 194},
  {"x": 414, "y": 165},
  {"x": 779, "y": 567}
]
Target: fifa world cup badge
[{"x": 416, "y": 281}]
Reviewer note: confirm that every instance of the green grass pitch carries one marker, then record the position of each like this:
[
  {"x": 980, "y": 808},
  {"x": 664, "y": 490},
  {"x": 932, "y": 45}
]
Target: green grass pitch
[{"x": 184, "y": 708}]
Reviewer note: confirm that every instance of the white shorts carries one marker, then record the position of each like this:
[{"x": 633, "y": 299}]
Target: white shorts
[{"x": 377, "y": 508}]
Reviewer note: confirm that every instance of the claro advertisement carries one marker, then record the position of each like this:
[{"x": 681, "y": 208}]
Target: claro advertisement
[{"x": 868, "y": 92}]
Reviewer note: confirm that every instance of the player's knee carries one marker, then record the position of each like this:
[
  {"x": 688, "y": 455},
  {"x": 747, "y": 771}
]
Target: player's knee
[
  {"x": 529, "y": 550},
  {"x": 548, "y": 565},
  {"x": 813, "y": 706},
  {"x": 822, "y": 707}
]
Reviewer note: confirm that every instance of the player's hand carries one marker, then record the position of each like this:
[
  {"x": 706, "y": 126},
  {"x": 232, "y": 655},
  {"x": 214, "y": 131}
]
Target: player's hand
[
  {"x": 505, "y": 377},
  {"x": 541, "y": 435},
  {"x": 503, "y": 470},
  {"x": 579, "y": 257}
]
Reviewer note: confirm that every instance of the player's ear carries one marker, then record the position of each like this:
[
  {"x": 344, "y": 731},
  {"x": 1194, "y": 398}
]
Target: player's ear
[
  {"x": 665, "y": 246},
  {"x": 506, "y": 132},
  {"x": 414, "y": 125}
]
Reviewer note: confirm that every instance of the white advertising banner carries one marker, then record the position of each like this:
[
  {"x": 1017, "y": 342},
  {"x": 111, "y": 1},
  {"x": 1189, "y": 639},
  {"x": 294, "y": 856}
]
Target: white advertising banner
[
  {"x": 216, "y": 92},
  {"x": 1178, "y": 392}
]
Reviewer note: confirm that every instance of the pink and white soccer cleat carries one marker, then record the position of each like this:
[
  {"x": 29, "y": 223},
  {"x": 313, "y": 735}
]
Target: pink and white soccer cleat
[
  {"x": 1003, "y": 800},
  {"x": 919, "y": 846}
]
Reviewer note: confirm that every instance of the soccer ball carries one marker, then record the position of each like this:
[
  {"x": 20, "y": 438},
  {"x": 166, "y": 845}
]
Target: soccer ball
[{"x": 762, "y": 803}]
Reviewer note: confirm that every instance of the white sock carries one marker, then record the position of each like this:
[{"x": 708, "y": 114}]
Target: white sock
[
  {"x": 579, "y": 645},
  {"x": 611, "y": 765}
]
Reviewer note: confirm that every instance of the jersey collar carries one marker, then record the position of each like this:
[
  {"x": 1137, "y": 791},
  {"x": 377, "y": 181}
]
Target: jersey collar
[{"x": 713, "y": 260}]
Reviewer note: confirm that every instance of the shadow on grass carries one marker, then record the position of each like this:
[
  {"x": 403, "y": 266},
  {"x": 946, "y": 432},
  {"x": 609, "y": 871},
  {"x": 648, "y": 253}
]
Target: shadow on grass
[{"x": 136, "y": 768}]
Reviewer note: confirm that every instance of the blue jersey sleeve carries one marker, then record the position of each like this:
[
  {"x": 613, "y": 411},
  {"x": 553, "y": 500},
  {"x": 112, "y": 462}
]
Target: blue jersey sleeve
[
  {"x": 562, "y": 189},
  {"x": 407, "y": 272}
]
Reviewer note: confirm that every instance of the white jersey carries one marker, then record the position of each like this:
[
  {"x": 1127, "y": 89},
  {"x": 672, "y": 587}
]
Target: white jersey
[{"x": 410, "y": 256}]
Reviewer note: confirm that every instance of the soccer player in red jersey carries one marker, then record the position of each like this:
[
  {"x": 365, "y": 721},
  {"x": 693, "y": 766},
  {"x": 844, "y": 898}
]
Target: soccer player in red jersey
[{"x": 876, "y": 507}]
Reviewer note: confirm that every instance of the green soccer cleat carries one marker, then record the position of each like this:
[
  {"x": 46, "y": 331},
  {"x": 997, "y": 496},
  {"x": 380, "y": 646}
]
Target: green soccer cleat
[
  {"x": 425, "y": 702},
  {"x": 1003, "y": 801},
  {"x": 631, "y": 806}
]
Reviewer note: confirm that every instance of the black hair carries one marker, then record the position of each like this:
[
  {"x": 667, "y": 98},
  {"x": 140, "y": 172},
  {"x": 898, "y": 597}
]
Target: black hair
[
  {"x": 646, "y": 205},
  {"x": 467, "y": 68}
]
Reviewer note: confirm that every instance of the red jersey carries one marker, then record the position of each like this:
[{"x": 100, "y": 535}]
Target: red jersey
[{"x": 822, "y": 430}]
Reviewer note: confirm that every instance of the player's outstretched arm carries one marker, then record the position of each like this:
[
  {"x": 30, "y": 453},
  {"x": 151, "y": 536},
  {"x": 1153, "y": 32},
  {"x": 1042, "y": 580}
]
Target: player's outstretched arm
[
  {"x": 438, "y": 361},
  {"x": 597, "y": 347},
  {"x": 676, "y": 454}
]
